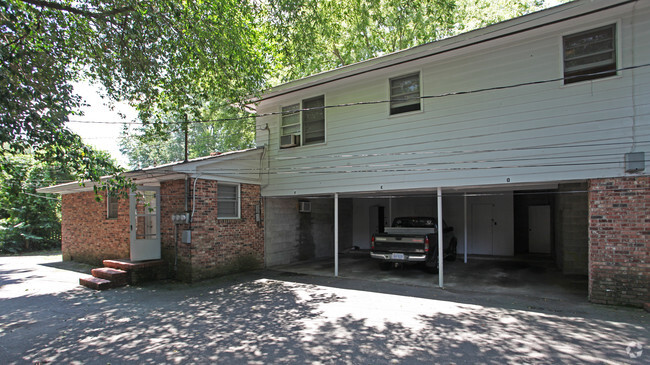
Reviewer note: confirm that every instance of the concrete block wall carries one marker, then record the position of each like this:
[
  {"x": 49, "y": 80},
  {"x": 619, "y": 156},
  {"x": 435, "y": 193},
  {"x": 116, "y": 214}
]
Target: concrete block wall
[
  {"x": 281, "y": 235},
  {"x": 87, "y": 235},
  {"x": 619, "y": 235},
  {"x": 292, "y": 236},
  {"x": 572, "y": 228}
]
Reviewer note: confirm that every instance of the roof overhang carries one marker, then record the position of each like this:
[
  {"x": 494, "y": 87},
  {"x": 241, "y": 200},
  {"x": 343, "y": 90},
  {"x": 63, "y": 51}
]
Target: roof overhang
[{"x": 237, "y": 166}]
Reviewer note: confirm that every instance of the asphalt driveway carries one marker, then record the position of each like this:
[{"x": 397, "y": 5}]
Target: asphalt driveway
[{"x": 271, "y": 317}]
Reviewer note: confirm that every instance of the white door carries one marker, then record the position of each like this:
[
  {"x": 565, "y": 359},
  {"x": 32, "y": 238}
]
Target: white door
[
  {"x": 482, "y": 227},
  {"x": 145, "y": 223},
  {"x": 539, "y": 229}
]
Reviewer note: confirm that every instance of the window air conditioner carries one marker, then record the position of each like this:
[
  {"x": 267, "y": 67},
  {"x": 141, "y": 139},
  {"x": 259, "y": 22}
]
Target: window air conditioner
[
  {"x": 290, "y": 140},
  {"x": 304, "y": 207}
]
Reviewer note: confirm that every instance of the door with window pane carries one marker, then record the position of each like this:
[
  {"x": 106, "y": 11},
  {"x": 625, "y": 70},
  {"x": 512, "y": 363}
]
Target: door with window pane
[{"x": 145, "y": 223}]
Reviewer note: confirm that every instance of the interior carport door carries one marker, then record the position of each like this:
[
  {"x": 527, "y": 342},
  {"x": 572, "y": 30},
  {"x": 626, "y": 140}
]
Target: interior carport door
[
  {"x": 482, "y": 227},
  {"x": 145, "y": 223},
  {"x": 539, "y": 229}
]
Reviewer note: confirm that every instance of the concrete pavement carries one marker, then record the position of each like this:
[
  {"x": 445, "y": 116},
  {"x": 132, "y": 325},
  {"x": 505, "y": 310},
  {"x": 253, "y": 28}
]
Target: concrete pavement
[{"x": 270, "y": 317}]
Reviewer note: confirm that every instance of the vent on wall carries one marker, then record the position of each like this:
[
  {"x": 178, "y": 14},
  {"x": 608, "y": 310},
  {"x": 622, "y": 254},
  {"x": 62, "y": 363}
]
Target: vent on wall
[
  {"x": 634, "y": 162},
  {"x": 304, "y": 207}
]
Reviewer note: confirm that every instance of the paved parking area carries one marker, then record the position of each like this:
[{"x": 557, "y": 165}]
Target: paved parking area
[
  {"x": 272, "y": 317},
  {"x": 533, "y": 276}
]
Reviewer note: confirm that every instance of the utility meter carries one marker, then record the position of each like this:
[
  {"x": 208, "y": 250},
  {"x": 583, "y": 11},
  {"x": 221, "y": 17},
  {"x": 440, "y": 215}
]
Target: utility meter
[{"x": 181, "y": 218}]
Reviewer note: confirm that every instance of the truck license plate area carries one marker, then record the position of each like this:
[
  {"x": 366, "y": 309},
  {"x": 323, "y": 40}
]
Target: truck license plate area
[{"x": 397, "y": 256}]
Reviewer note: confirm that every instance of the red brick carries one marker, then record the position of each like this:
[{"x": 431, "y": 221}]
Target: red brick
[{"x": 618, "y": 248}]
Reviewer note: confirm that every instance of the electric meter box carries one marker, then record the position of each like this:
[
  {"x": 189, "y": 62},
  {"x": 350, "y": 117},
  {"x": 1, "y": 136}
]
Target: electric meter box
[{"x": 186, "y": 236}]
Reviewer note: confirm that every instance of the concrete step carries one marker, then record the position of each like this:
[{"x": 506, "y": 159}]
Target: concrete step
[
  {"x": 115, "y": 276},
  {"x": 95, "y": 283}
]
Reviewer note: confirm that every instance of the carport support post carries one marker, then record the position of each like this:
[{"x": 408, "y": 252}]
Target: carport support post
[
  {"x": 440, "y": 238},
  {"x": 336, "y": 234}
]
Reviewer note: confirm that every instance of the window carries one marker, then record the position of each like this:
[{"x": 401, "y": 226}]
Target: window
[
  {"x": 590, "y": 55},
  {"x": 290, "y": 120},
  {"x": 111, "y": 206},
  {"x": 308, "y": 126},
  {"x": 227, "y": 201},
  {"x": 405, "y": 94}
]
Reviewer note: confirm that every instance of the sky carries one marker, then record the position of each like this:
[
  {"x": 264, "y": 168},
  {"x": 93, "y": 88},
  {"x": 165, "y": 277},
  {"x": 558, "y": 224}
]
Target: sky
[{"x": 101, "y": 136}]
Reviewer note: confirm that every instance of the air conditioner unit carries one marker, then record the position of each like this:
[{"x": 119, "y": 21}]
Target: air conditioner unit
[
  {"x": 304, "y": 207},
  {"x": 290, "y": 140}
]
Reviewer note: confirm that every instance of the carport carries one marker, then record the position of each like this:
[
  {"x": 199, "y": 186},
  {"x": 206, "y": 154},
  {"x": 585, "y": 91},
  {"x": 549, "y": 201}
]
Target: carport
[{"x": 519, "y": 222}]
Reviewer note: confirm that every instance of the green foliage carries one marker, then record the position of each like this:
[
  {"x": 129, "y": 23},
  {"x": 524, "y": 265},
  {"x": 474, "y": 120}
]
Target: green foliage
[
  {"x": 28, "y": 221},
  {"x": 224, "y": 129},
  {"x": 311, "y": 36},
  {"x": 166, "y": 57}
]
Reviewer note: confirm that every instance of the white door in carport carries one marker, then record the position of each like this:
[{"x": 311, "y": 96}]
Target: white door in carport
[
  {"x": 481, "y": 239},
  {"x": 539, "y": 229}
]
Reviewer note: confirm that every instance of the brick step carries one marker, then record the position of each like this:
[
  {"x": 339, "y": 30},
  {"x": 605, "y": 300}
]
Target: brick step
[
  {"x": 140, "y": 271},
  {"x": 115, "y": 276},
  {"x": 133, "y": 265},
  {"x": 95, "y": 283}
]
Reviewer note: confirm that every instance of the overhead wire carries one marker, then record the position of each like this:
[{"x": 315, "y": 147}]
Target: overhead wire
[{"x": 372, "y": 102}]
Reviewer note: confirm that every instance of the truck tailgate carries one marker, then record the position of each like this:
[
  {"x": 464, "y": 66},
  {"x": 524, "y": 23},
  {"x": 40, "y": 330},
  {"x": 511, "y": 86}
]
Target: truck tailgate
[{"x": 399, "y": 243}]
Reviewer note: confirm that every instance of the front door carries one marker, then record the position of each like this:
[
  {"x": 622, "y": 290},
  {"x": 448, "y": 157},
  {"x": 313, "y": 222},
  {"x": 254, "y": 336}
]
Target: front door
[{"x": 145, "y": 223}]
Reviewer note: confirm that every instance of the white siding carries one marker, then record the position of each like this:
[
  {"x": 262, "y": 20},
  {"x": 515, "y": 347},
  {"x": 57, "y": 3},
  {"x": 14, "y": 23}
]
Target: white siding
[{"x": 536, "y": 133}]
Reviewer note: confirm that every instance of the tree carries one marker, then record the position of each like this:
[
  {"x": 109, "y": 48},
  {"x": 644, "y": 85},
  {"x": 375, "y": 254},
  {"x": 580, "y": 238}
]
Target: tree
[
  {"x": 165, "y": 57},
  {"x": 220, "y": 130},
  {"x": 29, "y": 221},
  {"x": 318, "y": 35}
]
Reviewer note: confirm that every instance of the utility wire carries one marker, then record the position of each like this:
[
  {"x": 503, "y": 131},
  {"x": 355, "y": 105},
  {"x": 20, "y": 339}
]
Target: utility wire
[{"x": 344, "y": 105}]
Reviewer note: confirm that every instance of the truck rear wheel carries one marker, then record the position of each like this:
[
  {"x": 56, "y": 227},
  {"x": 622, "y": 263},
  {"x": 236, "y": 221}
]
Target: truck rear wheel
[{"x": 453, "y": 245}]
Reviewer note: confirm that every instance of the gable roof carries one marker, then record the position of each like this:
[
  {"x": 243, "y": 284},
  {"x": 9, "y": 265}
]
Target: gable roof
[{"x": 543, "y": 18}]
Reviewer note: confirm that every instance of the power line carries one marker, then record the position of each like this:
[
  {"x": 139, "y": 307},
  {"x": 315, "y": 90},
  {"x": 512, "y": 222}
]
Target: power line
[{"x": 360, "y": 103}]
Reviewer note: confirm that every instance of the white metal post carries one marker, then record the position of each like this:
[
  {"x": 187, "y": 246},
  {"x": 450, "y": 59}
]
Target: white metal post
[
  {"x": 336, "y": 234},
  {"x": 465, "y": 225},
  {"x": 440, "y": 238}
]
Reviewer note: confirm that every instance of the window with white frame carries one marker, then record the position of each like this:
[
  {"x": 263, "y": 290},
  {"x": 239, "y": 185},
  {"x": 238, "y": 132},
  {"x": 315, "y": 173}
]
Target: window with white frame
[
  {"x": 111, "y": 206},
  {"x": 228, "y": 201},
  {"x": 590, "y": 55},
  {"x": 405, "y": 94},
  {"x": 303, "y": 123}
]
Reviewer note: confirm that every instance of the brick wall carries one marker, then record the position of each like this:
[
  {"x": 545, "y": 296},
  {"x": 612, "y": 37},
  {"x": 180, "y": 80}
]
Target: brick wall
[
  {"x": 619, "y": 231},
  {"x": 172, "y": 201},
  {"x": 87, "y": 235},
  {"x": 218, "y": 246}
]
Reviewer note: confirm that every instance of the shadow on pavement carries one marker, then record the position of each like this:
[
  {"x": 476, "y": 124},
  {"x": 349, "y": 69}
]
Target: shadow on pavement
[{"x": 272, "y": 317}]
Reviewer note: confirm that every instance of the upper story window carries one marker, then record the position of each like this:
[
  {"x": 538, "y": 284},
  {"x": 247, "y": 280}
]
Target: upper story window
[
  {"x": 405, "y": 94},
  {"x": 111, "y": 206},
  {"x": 303, "y": 127},
  {"x": 590, "y": 55},
  {"x": 228, "y": 201}
]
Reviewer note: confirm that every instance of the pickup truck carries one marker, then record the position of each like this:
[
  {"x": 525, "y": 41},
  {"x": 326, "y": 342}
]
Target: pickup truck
[{"x": 412, "y": 240}]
